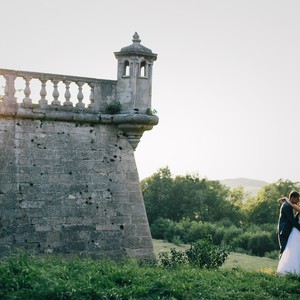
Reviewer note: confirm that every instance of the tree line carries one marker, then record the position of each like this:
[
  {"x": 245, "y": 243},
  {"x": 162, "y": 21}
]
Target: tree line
[{"x": 172, "y": 202}]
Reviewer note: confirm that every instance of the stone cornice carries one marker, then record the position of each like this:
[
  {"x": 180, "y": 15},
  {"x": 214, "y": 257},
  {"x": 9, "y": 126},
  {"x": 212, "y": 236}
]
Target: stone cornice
[{"x": 132, "y": 125}]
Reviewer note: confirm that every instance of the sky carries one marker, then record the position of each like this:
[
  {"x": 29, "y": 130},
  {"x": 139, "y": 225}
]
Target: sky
[{"x": 225, "y": 84}]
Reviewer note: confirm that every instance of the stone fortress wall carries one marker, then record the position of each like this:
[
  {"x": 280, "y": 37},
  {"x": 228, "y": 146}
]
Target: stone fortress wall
[{"x": 68, "y": 178}]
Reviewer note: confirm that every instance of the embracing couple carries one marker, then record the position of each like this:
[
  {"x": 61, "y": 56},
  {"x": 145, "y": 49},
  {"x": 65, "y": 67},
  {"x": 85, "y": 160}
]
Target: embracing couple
[{"x": 289, "y": 235}]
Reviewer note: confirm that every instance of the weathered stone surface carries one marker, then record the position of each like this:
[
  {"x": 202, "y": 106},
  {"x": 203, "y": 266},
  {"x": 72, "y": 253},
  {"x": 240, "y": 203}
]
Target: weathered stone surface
[
  {"x": 70, "y": 192},
  {"x": 68, "y": 178}
]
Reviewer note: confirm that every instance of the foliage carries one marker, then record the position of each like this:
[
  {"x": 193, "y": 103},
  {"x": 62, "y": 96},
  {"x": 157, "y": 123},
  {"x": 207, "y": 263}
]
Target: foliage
[
  {"x": 254, "y": 239},
  {"x": 256, "y": 243},
  {"x": 234, "y": 260},
  {"x": 157, "y": 191},
  {"x": 194, "y": 198},
  {"x": 174, "y": 259},
  {"x": 160, "y": 227},
  {"x": 203, "y": 254},
  {"x": 187, "y": 208},
  {"x": 25, "y": 277},
  {"x": 113, "y": 108},
  {"x": 264, "y": 208},
  {"x": 151, "y": 112},
  {"x": 189, "y": 197}
]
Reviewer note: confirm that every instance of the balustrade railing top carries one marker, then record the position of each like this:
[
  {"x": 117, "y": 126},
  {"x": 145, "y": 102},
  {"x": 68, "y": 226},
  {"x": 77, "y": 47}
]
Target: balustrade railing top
[{"x": 91, "y": 93}]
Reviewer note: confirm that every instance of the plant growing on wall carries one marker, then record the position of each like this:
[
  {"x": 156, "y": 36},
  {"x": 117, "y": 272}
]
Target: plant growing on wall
[
  {"x": 151, "y": 112},
  {"x": 113, "y": 108}
]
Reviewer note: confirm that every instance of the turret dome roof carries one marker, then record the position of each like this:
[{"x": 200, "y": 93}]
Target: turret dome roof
[{"x": 136, "y": 48}]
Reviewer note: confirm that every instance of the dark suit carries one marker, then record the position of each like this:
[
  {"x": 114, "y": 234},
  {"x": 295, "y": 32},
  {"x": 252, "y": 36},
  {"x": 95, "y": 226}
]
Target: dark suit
[{"x": 286, "y": 223}]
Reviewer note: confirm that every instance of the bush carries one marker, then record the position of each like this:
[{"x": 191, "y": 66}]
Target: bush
[
  {"x": 113, "y": 108},
  {"x": 256, "y": 243},
  {"x": 254, "y": 240},
  {"x": 200, "y": 230},
  {"x": 205, "y": 254},
  {"x": 231, "y": 233},
  {"x": 260, "y": 243},
  {"x": 242, "y": 241},
  {"x": 173, "y": 259},
  {"x": 160, "y": 227},
  {"x": 202, "y": 254},
  {"x": 174, "y": 230}
]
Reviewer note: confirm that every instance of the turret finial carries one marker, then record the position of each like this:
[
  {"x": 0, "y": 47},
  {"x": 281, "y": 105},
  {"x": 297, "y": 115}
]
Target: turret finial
[{"x": 136, "y": 38}]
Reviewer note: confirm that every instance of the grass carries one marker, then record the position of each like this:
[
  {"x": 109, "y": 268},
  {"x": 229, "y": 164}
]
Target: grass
[{"x": 52, "y": 277}]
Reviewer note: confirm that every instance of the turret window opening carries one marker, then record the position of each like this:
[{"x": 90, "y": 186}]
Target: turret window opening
[
  {"x": 126, "y": 69},
  {"x": 143, "y": 71}
]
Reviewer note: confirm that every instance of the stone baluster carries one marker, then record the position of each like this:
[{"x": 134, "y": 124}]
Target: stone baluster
[
  {"x": 27, "y": 91},
  {"x": 10, "y": 90},
  {"x": 92, "y": 96},
  {"x": 55, "y": 93},
  {"x": 80, "y": 95},
  {"x": 43, "y": 93},
  {"x": 67, "y": 94}
]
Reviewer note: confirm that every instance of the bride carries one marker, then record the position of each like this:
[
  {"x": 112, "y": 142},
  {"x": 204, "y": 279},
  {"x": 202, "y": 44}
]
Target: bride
[{"x": 290, "y": 259}]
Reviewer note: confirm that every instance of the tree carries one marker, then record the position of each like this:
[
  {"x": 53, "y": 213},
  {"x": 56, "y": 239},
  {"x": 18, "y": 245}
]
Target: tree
[
  {"x": 265, "y": 208},
  {"x": 157, "y": 191},
  {"x": 189, "y": 197}
]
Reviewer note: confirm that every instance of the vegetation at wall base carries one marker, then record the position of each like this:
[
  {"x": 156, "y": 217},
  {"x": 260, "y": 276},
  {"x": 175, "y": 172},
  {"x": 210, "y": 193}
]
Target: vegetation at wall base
[{"x": 26, "y": 277}]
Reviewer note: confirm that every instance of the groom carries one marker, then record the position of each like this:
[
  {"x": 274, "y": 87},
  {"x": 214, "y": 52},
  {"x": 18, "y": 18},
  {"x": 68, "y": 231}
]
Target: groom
[{"x": 287, "y": 221}]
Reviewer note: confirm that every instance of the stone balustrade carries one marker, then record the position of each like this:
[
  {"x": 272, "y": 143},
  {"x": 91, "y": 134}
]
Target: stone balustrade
[
  {"x": 101, "y": 92},
  {"x": 54, "y": 102}
]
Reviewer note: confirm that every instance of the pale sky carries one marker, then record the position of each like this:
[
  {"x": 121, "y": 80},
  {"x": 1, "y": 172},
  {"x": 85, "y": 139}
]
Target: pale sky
[{"x": 225, "y": 84}]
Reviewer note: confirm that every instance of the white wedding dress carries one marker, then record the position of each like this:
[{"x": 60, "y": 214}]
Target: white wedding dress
[{"x": 290, "y": 258}]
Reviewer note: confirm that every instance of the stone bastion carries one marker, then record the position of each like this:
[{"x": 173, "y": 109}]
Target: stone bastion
[{"x": 68, "y": 178}]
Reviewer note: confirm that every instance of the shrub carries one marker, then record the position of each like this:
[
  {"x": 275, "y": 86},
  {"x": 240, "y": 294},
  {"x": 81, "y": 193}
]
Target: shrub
[
  {"x": 231, "y": 233},
  {"x": 202, "y": 254},
  {"x": 260, "y": 243},
  {"x": 256, "y": 243},
  {"x": 241, "y": 241},
  {"x": 159, "y": 228},
  {"x": 113, "y": 108},
  {"x": 151, "y": 112},
  {"x": 173, "y": 259},
  {"x": 254, "y": 240},
  {"x": 174, "y": 229},
  {"x": 176, "y": 240},
  {"x": 199, "y": 230},
  {"x": 205, "y": 254}
]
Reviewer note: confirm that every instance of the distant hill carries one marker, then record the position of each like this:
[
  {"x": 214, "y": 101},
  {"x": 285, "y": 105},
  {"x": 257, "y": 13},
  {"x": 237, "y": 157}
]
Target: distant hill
[{"x": 250, "y": 185}]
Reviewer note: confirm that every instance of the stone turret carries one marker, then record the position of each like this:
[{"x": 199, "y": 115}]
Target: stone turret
[
  {"x": 133, "y": 90},
  {"x": 135, "y": 77}
]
